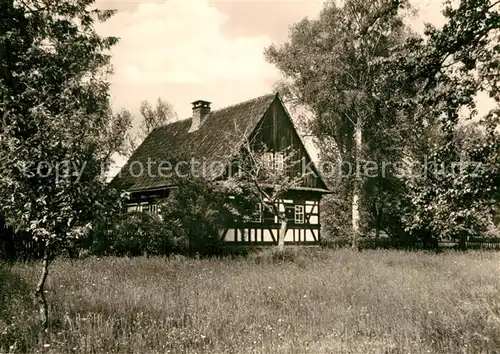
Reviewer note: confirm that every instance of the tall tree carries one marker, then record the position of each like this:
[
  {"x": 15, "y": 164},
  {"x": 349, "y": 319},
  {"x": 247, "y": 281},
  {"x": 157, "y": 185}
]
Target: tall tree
[
  {"x": 332, "y": 65},
  {"x": 56, "y": 136},
  {"x": 151, "y": 118},
  {"x": 457, "y": 180},
  {"x": 124, "y": 139},
  {"x": 163, "y": 113}
]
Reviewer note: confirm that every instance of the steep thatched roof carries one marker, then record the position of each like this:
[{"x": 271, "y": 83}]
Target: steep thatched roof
[{"x": 213, "y": 143}]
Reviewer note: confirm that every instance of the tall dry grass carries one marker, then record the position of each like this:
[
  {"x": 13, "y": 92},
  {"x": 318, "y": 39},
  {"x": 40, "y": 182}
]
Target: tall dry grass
[{"x": 317, "y": 301}]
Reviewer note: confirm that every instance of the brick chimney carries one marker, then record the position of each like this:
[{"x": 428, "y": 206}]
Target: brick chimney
[{"x": 201, "y": 109}]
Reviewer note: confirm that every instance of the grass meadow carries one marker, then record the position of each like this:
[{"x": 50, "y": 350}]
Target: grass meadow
[{"x": 305, "y": 301}]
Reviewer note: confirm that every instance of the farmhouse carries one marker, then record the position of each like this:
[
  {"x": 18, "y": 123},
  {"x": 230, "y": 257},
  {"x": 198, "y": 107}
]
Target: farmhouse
[{"x": 209, "y": 137}]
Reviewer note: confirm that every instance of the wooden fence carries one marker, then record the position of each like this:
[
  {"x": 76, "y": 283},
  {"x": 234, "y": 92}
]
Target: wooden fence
[
  {"x": 478, "y": 244},
  {"x": 17, "y": 245},
  {"x": 483, "y": 244}
]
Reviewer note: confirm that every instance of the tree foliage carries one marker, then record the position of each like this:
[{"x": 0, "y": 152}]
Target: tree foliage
[
  {"x": 332, "y": 66},
  {"x": 124, "y": 139},
  {"x": 131, "y": 234},
  {"x": 57, "y": 136},
  {"x": 457, "y": 171},
  {"x": 150, "y": 119},
  {"x": 154, "y": 117},
  {"x": 358, "y": 63},
  {"x": 199, "y": 210}
]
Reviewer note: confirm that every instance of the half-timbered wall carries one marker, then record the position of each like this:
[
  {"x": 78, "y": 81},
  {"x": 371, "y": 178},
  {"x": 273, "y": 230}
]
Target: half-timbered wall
[
  {"x": 302, "y": 211},
  {"x": 304, "y": 229}
]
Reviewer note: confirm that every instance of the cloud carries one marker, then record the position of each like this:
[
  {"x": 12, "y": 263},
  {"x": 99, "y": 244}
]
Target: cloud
[
  {"x": 177, "y": 50},
  {"x": 181, "y": 41}
]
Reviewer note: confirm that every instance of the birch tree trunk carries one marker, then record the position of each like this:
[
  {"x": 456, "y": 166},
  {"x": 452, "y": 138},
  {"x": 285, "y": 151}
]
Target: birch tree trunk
[{"x": 357, "y": 185}]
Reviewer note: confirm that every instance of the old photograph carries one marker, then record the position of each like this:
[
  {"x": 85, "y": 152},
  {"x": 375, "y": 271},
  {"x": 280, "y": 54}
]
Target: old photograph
[{"x": 249, "y": 176}]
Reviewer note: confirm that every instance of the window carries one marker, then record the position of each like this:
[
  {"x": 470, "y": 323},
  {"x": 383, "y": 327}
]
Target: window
[
  {"x": 299, "y": 214},
  {"x": 143, "y": 207},
  {"x": 279, "y": 161},
  {"x": 257, "y": 215},
  {"x": 131, "y": 208},
  {"x": 153, "y": 208},
  {"x": 135, "y": 207},
  {"x": 267, "y": 160},
  {"x": 274, "y": 161}
]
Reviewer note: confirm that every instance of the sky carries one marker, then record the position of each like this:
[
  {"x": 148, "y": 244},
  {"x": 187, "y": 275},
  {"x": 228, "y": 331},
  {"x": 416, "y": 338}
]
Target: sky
[{"x": 184, "y": 50}]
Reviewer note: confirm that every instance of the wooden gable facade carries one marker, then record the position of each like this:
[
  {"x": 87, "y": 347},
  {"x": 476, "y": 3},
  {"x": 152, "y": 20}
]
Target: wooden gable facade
[
  {"x": 268, "y": 123},
  {"x": 277, "y": 133}
]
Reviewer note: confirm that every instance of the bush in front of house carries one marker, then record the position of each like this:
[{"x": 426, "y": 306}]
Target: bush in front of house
[
  {"x": 190, "y": 221},
  {"x": 131, "y": 234}
]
